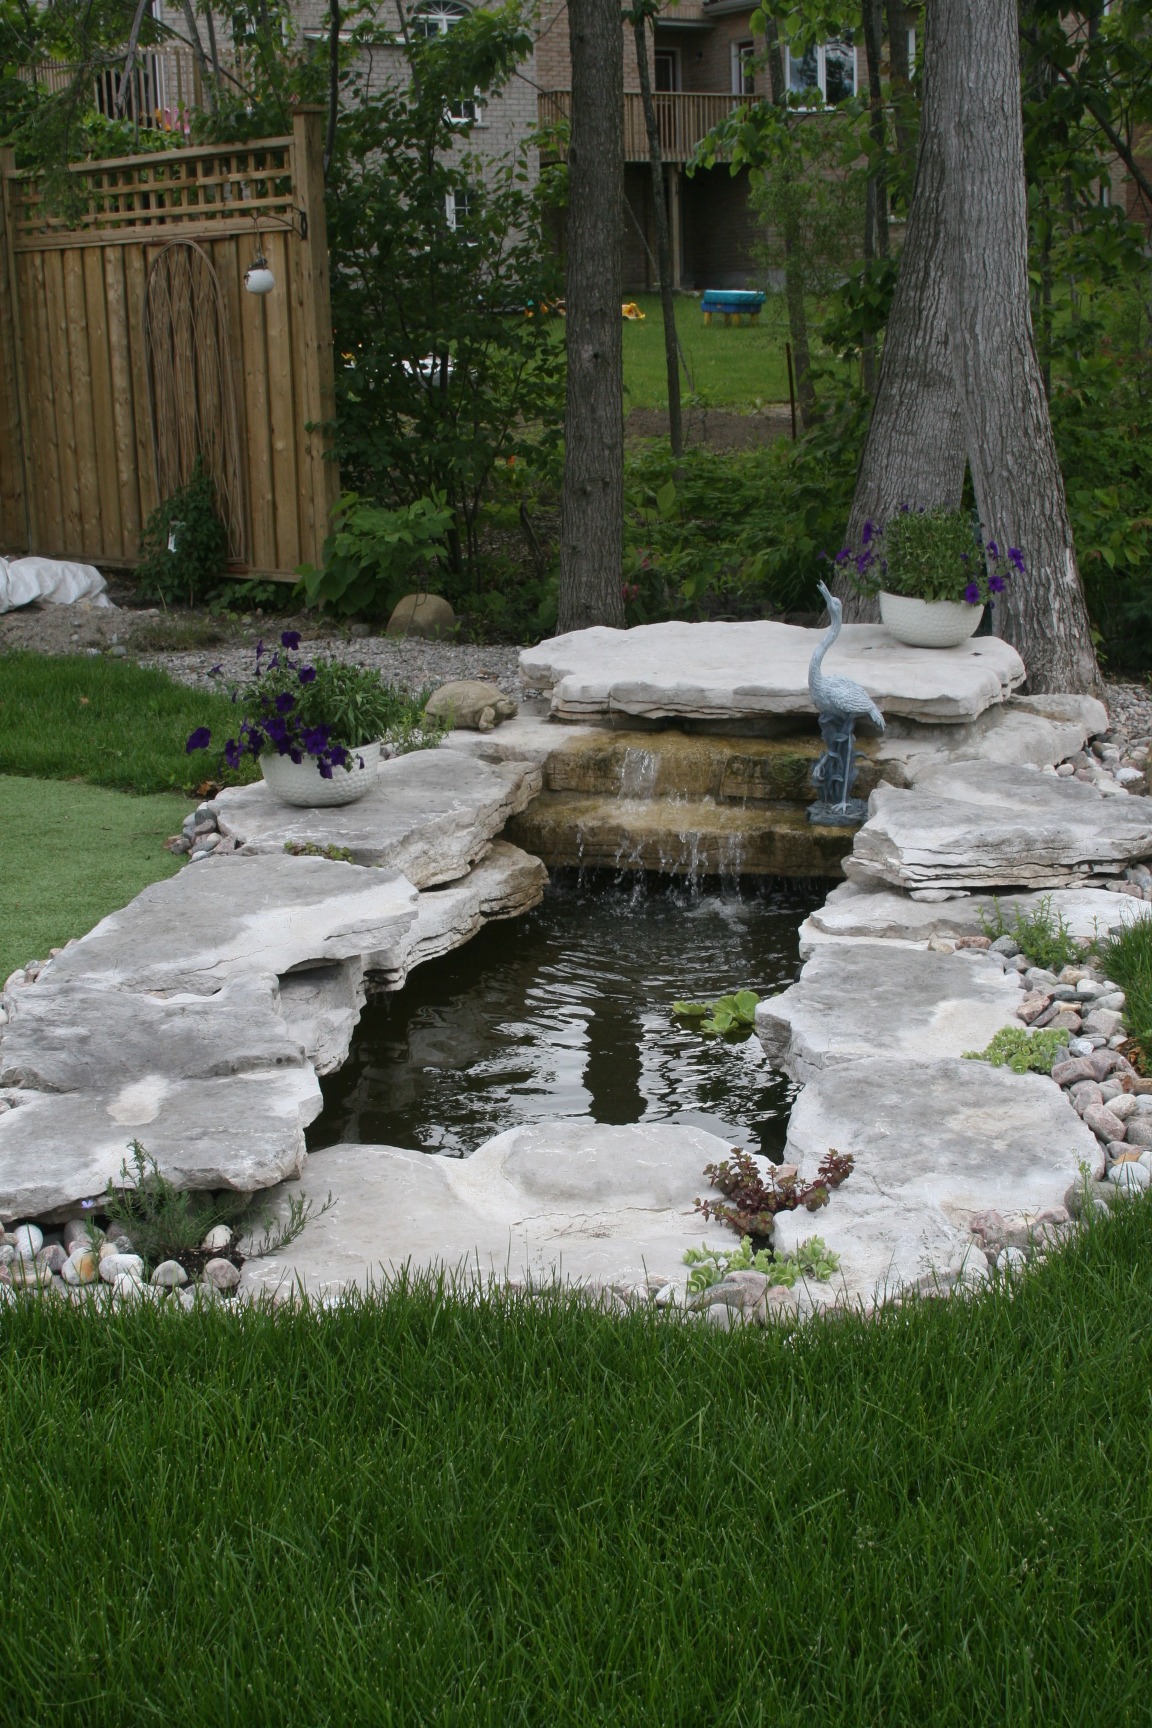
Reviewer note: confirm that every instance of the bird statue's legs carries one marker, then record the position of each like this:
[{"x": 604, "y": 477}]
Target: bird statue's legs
[{"x": 834, "y": 774}]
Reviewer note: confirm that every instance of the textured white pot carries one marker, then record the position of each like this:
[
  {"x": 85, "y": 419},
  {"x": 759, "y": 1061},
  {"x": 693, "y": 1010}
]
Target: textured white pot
[
  {"x": 928, "y": 623},
  {"x": 302, "y": 782}
]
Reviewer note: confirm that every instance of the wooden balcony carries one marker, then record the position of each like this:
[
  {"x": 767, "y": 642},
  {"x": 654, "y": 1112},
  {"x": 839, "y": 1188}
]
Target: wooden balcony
[{"x": 684, "y": 117}]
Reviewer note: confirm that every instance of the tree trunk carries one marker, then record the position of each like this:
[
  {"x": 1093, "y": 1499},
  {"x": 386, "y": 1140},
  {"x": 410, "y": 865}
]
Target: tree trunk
[
  {"x": 1008, "y": 431},
  {"x": 876, "y": 202},
  {"x": 663, "y": 246},
  {"x": 914, "y": 452},
  {"x": 592, "y": 498},
  {"x": 793, "y": 265}
]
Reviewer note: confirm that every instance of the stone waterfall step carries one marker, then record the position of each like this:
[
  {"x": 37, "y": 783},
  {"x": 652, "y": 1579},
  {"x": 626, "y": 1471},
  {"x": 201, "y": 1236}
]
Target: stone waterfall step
[{"x": 684, "y": 804}]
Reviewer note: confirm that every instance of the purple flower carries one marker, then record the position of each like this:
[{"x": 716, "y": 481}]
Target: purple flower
[
  {"x": 315, "y": 740},
  {"x": 868, "y": 531},
  {"x": 993, "y": 549},
  {"x": 863, "y": 559},
  {"x": 972, "y": 593},
  {"x": 285, "y": 702},
  {"x": 996, "y": 584},
  {"x": 259, "y": 648},
  {"x": 233, "y": 753},
  {"x": 338, "y": 754},
  {"x": 198, "y": 740},
  {"x": 325, "y": 768},
  {"x": 843, "y": 555},
  {"x": 215, "y": 671},
  {"x": 1016, "y": 558},
  {"x": 290, "y": 638},
  {"x": 297, "y": 756},
  {"x": 307, "y": 674},
  {"x": 273, "y": 663}
]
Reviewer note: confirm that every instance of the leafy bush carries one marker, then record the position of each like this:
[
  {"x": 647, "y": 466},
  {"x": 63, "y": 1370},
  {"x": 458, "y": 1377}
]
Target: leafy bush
[
  {"x": 185, "y": 544},
  {"x": 727, "y": 1014},
  {"x": 1022, "y": 1051},
  {"x": 1042, "y": 937},
  {"x": 931, "y": 555},
  {"x": 372, "y": 553}
]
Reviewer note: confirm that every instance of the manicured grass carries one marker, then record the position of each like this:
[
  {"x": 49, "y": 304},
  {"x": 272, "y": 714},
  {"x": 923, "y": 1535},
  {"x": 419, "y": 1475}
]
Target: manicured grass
[
  {"x": 416, "y": 1511},
  {"x": 69, "y": 854},
  {"x": 105, "y": 721},
  {"x": 1127, "y": 959},
  {"x": 731, "y": 367}
]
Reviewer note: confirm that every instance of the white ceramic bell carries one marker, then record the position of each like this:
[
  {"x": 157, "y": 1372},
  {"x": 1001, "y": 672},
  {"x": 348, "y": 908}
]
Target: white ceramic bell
[{"x": 258, "y": 278}]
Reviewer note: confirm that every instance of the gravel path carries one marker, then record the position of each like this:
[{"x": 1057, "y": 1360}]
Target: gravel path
[{"x": 414, "y": 664}]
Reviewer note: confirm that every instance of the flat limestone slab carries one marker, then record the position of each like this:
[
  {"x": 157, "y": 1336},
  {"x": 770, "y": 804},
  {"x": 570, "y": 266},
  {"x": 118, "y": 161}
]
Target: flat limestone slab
[
  {"x": 242, "y": 1132},
  {"x": 558, "y": 1201},
  {"x": 505, "y": 884},
  {"x": 855, "y": 912},
  {"x": 859, "y": 1000},
  {"x": 431, "y": 814},
  {"x": 933, "y": 1145},
  {"x": 978, "y": 825},
  {"x": 1033, "y": 731},
  {"x": 750, "y": 670},
  {"x": 527, "y": 737},
  {"x": 76, "y": 1038},
  {"x": 227, "y": 917}
]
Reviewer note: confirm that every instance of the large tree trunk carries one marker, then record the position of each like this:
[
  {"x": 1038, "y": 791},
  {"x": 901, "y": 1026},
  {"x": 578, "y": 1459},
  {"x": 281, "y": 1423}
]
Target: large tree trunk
[
  {"x": 1008, "y": 431},
  {"x": 592, "y": 499},
  {"x": 663, "y": 243},
  {"x": 876, "y": 204},
  {"x": 914, "y": 452}
]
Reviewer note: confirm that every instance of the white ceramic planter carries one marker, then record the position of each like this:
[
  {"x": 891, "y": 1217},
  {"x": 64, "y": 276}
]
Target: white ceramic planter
[
  {"x": 303, "y": 784},
  {"x": 928, "y": 623}
]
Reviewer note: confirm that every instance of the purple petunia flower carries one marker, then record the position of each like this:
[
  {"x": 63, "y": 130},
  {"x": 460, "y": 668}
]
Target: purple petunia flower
[
  {"x": 338, "y": 754},
  {"x": 315, "y": 740},
  {"x": 868, "y": 531},
  {"x": 260, "y": 648},
  {"x": 233, "y": 753},
  {"x": 1016, "y": 558},
  {"x": 325, "y": 769},
  {"x": 285, "y": 702},
  {"x": 863, "y": 559},
  {"x": 996, "y": 583},
  {"x": 993, "y": 549},
  {"x": 843, "y": 555},
  {"x": 215, "y": 671},
  {"x": 972, "y": 594},
  {"x": 198, "y": 740},
  {"x": 307, "y": 674},
  {"x": 290, "y": 638}
]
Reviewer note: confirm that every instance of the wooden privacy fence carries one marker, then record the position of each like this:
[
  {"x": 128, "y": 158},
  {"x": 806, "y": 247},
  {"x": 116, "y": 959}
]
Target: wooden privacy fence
[{"x": 129, "y": 348}]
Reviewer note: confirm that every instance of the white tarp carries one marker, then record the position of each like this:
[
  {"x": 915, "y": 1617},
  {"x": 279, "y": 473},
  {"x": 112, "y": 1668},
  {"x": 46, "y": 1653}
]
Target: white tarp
[{"x": 55, "y": 580}]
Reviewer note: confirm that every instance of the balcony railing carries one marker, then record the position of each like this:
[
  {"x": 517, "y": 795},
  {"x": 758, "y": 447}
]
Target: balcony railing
[{"x": 683, "y": 117}]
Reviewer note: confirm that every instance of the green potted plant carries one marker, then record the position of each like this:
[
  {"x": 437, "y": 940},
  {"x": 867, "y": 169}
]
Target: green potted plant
[
  {"x": 318, "y": 728},
  {"x": 933, "y": 573}
]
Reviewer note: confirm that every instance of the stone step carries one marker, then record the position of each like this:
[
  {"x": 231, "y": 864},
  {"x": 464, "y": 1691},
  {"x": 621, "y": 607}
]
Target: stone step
[
  {"x": 685, "y": 837},
  {"x": 673, "y": 764}
]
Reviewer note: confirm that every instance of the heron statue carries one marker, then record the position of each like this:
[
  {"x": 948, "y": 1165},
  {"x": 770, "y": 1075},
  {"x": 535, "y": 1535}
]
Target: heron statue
[{"x": 840, "y": 703}]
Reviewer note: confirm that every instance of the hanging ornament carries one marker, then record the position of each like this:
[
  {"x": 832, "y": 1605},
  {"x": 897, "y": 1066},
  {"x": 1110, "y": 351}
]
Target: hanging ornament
[{"x": 258, "y": 278}]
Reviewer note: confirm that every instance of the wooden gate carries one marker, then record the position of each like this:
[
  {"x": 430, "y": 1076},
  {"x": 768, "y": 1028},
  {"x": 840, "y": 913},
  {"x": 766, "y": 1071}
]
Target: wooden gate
[{"x": 128, "y": 344}]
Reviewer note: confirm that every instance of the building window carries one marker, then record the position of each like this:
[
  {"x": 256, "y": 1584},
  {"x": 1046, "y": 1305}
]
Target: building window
[
  {"x": 829, "y": 68},
  {"x": 458, "y": 208},
  {"x": 436, "y": 18},
  {"x": 743, "y": 69},
  {"x": 667, "y": 65}
]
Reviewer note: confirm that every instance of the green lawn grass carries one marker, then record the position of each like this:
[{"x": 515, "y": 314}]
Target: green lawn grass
[
  {"x": 105, "y": 721},
  {"x": 69, "y": 854},
  {"x": 731, "y": 367},
  {"x": 417, "y": 1511}
]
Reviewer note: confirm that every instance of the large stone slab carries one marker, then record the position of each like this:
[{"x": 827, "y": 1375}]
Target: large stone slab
[
  {"x": 556, "y": 1202},
  {"x": 859, "y": 1000},
  {"x": 232, "y": 916},
  {"x": 244, "y": 1132},
  {"x": 1032, "y": 731},
  {"x": 978, "y": 825},
  {"x": 431, "y": 814},
  {"x": 506, "y": 884},
  {"x": 748, "y": 671},
  {"x": 78, "y": 1038},
  {"x": 932, "y": 1146},
  {"x": 854, "y": 911}
]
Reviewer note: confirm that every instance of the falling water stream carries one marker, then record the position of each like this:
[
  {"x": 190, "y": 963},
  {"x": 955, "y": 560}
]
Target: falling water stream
[{"x": 567, "y": 1012}]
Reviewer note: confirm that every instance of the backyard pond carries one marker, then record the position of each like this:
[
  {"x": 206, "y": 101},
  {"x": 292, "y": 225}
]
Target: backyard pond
[{"x": 567, "y": 1012}]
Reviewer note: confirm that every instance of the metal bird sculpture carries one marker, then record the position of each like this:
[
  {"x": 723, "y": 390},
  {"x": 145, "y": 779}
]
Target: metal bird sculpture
[{"x": 840, "y": 704}]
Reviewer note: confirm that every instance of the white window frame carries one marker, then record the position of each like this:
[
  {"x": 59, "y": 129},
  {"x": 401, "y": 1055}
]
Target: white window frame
[
  {"x": 442, "y": 16},
  {"x": 744, "y": 67},
  {"x": 821, "y": 52},
  {"x": 455, "y": 216}
]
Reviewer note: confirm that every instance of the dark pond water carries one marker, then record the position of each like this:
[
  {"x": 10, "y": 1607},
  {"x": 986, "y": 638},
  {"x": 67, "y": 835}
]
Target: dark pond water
[{"x": 568, "y": 1012}]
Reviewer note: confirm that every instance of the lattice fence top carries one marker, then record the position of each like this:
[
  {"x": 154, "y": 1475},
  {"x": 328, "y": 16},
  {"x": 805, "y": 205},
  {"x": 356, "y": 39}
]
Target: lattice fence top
[{"x": 123, "y": 198}]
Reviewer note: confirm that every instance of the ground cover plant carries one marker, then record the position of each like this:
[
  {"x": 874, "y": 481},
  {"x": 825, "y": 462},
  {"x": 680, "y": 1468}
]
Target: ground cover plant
[
  {"x": 70, "y": 854},
  {"x": 104, "y": 721},
  {"x": 414, "y": 1510},
  {"x": 1042, "y": 936},
  {"x": 1023, "y": 1051}
]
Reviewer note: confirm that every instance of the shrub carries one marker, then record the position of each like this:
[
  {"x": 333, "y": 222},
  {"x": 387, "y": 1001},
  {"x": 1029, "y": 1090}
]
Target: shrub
[
  {"x": 372, "y": 553},
  {"x": 185, "y": 544},
  {"x": 754, "y": 1202}
]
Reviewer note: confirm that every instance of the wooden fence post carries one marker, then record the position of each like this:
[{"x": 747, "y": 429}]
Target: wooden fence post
[
  {"x": 315, "y": 307},
  {"x": 16, "y": 500}
]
